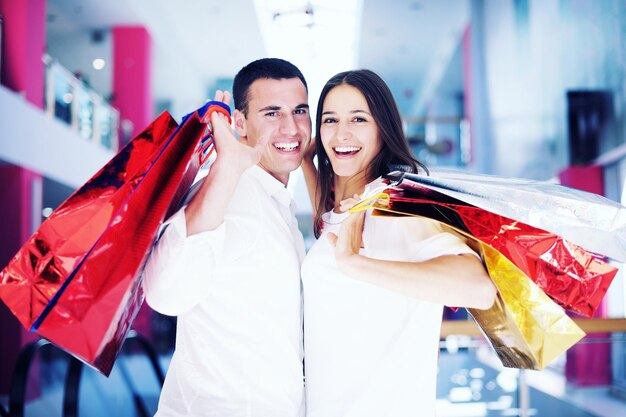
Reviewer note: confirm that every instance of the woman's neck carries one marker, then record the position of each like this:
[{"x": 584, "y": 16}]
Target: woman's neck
[{"x": 347, "y": 187}]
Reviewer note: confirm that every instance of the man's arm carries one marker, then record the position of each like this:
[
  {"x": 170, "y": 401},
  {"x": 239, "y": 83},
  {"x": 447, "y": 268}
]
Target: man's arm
[
  {"x": 206, "y": 210},
  {"x": 178, "y": 274}
]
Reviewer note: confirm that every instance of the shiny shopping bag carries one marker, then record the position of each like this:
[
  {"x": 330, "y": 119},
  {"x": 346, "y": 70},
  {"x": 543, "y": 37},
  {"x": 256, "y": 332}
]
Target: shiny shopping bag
[
  {"x": 588, "y": 220},
  {"x": 526, "y": 329},
  {"x": 524, "y": 326},
  {"x": 573, "y": 277},
  {"x": 76, "y": 281}
]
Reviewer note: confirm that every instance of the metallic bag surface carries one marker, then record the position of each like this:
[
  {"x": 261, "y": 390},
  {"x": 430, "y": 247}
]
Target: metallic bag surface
[{"x": 77, "y": 280}]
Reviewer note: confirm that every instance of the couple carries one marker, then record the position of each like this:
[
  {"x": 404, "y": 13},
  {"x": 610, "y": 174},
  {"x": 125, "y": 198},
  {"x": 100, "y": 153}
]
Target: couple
[{"x": 229, "y": 264}]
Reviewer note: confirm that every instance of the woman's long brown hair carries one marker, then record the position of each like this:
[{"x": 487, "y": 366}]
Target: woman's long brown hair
[{"x": 395, "y": 152}]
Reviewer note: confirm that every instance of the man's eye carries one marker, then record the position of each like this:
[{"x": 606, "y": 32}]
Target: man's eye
[
  {"x": 271, "y": 113},
  {"x": 300, "y": 112}
]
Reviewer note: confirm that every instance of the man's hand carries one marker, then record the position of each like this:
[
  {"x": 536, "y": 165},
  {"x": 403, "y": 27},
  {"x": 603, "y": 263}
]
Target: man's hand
[
  {"x": 230, "y": 152},
  {"x": 236, "y": 155}
]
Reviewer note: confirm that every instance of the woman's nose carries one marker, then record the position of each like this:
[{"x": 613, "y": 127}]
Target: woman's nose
[{"x": 343, "y": 132}]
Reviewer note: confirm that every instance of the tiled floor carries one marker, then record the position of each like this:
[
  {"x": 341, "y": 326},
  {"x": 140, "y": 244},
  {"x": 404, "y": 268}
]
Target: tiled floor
[{"x": 469, "y": 385}]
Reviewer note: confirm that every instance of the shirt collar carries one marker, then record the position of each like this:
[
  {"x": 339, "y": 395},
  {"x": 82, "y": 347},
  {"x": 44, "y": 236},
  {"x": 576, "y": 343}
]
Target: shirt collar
[{"x": 271, "y": 185}]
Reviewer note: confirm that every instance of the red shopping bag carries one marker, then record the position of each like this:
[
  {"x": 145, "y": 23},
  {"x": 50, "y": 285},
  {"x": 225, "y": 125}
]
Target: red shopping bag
[{"x": 76, "y": 281}]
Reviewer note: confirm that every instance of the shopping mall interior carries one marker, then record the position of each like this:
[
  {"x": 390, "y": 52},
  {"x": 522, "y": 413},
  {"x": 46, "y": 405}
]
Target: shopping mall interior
[{"x": 515, "y": 89}]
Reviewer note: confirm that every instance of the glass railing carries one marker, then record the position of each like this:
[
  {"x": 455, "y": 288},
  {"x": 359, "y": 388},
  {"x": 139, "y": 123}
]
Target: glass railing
[
  {"x": 69, "y": 99},
  {"x": 473, "y": 382},
  {"x": 439, "y": 141}
]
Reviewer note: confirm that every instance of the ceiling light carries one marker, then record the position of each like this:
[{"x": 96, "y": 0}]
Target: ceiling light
[{"x": 98, "y": 63}]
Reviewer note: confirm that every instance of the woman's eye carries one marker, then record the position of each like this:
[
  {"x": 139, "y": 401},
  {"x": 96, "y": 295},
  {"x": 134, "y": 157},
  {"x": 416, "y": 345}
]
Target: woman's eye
[
  {"x": 360, "y": 119},
  {"x": 329, "y": 120}
]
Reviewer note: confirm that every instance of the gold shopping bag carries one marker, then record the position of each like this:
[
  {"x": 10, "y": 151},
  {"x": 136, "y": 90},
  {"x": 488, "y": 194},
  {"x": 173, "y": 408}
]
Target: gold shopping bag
[{"x": 524, "y": 326}]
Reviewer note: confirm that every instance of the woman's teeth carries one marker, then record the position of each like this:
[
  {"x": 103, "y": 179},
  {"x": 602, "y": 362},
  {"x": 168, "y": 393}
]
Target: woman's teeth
[
  {"x": 346, "y": 149},
  {"x": 287, "y": 146}
]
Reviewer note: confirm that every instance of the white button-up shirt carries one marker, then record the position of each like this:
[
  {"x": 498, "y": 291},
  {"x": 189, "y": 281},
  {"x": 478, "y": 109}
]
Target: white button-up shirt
[{"x": 236, "y": 291}]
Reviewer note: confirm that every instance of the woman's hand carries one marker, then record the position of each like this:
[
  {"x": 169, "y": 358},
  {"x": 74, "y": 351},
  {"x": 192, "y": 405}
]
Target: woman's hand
[
  {"x": 350, "y": 239},
  {"x": 348, "y": 203}
]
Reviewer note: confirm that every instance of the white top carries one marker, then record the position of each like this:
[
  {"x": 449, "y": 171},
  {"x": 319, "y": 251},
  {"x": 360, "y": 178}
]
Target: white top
[
  {"x": 370, "y": 351},
  {"x": 237, "y": 294}
]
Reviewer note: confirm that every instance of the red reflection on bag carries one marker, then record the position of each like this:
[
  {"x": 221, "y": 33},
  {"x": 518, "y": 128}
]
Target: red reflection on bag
[{"x": 76, "y": 281}]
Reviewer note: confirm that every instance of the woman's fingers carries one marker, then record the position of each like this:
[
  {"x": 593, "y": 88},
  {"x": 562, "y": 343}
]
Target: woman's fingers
[{"x": 332, "y": 238}]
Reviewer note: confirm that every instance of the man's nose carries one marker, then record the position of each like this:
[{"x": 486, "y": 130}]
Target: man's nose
[{"x": 288, "y": 125}]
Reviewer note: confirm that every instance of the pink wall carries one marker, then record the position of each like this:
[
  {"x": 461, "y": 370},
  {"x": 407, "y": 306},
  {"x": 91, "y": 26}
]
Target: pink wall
[
  {"x": 132, "y": 76},
  {"x": 23, "y": 42},
  {"x": 132, "y": 96},
  {"x": 17, "y": 226}
]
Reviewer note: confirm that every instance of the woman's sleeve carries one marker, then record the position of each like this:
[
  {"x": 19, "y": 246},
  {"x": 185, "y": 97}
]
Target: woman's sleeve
[{"x": 427, "y": 239}]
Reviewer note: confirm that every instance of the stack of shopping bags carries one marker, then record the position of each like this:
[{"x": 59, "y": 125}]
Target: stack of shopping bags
[{"x": 544, "y": 246}]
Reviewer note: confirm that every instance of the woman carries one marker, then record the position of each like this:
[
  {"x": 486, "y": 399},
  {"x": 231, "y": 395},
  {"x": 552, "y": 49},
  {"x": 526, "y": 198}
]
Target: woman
[{"x": 374, "y": 287}]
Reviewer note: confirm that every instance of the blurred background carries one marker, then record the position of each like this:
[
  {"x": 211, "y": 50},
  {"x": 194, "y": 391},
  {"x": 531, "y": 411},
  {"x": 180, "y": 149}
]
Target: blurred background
[{"x": 521, "y": 88}]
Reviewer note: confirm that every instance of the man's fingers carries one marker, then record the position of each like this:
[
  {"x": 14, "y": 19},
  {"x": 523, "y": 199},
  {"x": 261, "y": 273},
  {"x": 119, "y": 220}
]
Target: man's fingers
[
  {"x": 227, "y": 97},
  {"x": 262, "y": 143},
  {"x": 220, "y": 125}
]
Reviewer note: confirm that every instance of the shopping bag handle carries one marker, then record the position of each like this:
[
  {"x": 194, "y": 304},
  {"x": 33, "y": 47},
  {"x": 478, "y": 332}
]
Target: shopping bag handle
[{"x": 204, "y": 113}]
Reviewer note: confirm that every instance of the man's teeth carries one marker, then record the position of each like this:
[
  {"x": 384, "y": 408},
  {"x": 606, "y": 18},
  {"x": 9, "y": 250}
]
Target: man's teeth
[
  {"x": 347, "y": 149},
  {"x": 287, "y": 146}
]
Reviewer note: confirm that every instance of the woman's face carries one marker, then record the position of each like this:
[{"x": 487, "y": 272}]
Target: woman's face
[{"x": 348, "y": 131}]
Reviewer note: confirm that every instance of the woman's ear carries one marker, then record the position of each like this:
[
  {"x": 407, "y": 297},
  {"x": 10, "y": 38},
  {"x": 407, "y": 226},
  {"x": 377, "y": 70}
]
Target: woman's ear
[{"x": 240, "y": 124}]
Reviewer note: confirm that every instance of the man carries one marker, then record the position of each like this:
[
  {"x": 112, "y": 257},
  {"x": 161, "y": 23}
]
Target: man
[{"x": 228, "y": 265}]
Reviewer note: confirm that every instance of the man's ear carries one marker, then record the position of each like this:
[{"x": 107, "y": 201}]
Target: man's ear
[{"x": 240, "y": 124}]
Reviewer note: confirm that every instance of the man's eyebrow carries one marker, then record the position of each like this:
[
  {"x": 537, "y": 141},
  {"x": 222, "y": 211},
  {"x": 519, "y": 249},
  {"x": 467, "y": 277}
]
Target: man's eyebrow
[
  {"x": 276, "y": 108},
  {"x": 269, "y": 108}
]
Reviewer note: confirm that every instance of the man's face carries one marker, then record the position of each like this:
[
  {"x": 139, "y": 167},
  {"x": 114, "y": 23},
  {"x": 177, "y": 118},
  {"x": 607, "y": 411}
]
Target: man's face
[{"x": 278, "y": 110}]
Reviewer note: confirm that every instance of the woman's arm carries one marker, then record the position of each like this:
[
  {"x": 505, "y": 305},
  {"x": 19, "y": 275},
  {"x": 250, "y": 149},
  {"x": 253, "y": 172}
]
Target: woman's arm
[
  {"x": 310, "y": 174},
  {"x": 453, "y": 280}
]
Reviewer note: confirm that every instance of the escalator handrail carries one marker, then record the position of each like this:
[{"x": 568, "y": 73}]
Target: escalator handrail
[
  {"x": 19, "y": 381},
  {"x": 148, "y": 349}
]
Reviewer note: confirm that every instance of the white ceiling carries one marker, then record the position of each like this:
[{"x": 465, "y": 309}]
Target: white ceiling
[{"x": 408, "y": 42}]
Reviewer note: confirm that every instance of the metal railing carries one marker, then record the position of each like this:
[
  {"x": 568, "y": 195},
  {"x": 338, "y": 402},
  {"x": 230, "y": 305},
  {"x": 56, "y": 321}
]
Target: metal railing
[
  {"x": 21, "y": 373},
  {"x": 71, "y": 100}
]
